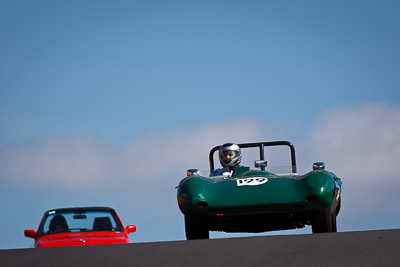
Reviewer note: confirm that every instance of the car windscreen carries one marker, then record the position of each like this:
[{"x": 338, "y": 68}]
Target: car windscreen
[
  {"x": 82, "y": 221},
  {"x": 278, "y": 158}
]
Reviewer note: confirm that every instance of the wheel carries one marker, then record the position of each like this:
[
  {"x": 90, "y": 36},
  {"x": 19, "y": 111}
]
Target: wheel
[
  {"x": 333, "y": 222},
  {"x": 322, "y": 222},
  {"x": 196, "y": 227},
  {"x": 334, "y": 215}
]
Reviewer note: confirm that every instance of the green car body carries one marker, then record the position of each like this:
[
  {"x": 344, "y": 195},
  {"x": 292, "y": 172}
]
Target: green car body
[{"x": 258, "y": 200}]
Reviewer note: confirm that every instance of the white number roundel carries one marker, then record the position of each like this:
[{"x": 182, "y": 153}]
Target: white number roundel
[{"x": 251, "y": 181}]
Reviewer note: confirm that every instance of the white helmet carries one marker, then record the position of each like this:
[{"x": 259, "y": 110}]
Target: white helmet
[{"x": 230, "y": 155}]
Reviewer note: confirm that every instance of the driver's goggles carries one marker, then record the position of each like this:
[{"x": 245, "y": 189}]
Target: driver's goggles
[{"x": 228, "y": 153}]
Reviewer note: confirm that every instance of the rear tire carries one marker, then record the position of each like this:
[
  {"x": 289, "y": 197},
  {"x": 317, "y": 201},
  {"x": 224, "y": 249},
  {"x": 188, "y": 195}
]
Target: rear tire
[
  {"x": 196, "y": 227},
  {"x": 322, "y": 222}
]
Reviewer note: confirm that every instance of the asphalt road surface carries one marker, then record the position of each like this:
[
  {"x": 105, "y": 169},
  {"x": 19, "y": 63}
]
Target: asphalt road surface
[{"x": 366, "y": 248}]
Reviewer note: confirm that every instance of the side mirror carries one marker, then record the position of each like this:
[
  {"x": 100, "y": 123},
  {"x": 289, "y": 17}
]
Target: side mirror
[
  {"x": 318, "y": 166},
  {"x": 262, "y": 164},
  {"x": 30, "y": 233},
  {"x": 130, "y": 228},
  {"x": 192, "y": 172}
]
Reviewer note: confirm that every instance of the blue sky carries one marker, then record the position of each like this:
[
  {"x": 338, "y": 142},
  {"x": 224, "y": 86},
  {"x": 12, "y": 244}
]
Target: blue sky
[{"x": 109, "y": 102}]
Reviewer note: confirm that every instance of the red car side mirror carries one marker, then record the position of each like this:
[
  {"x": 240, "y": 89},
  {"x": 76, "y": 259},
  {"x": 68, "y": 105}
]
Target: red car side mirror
[
  {"x": 130, "y": 228},
  {"x": 30, "y": 233}
]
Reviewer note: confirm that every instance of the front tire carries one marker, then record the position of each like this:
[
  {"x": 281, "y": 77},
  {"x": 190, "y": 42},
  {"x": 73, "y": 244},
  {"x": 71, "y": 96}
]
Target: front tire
[
  {"x": 196, "y": 227},
  {"x": 333, "y": 222},
  {"x": 322, "y": 222}
]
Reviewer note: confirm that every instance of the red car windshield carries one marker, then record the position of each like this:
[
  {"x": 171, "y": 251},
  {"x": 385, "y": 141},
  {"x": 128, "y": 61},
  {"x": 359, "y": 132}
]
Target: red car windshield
[{"x": 82, "y": 221}]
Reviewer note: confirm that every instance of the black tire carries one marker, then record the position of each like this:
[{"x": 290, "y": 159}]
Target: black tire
[
  {"x": 196, "y": 227},
  {"x": 333, "y": 222},
  {"x": 322, "y": 222}
]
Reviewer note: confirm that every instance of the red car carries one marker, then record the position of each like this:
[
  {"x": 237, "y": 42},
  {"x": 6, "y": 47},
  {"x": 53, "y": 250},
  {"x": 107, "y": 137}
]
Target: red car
[{"x": 80, "y": 227}]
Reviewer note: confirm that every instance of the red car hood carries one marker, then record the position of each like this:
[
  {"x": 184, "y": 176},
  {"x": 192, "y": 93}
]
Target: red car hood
[{"x": 81, "y": 239}]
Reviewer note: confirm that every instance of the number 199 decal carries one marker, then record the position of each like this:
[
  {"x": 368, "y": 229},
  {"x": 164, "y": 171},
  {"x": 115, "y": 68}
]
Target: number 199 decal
[{"x": 251, "y": 181}]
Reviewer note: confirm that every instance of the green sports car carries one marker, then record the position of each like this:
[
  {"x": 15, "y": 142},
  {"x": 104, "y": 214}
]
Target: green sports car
[{"x": 257, "y": 200}]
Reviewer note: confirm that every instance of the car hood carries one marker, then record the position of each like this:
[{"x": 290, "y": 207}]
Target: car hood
[{"x": 80, "y": 239}]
